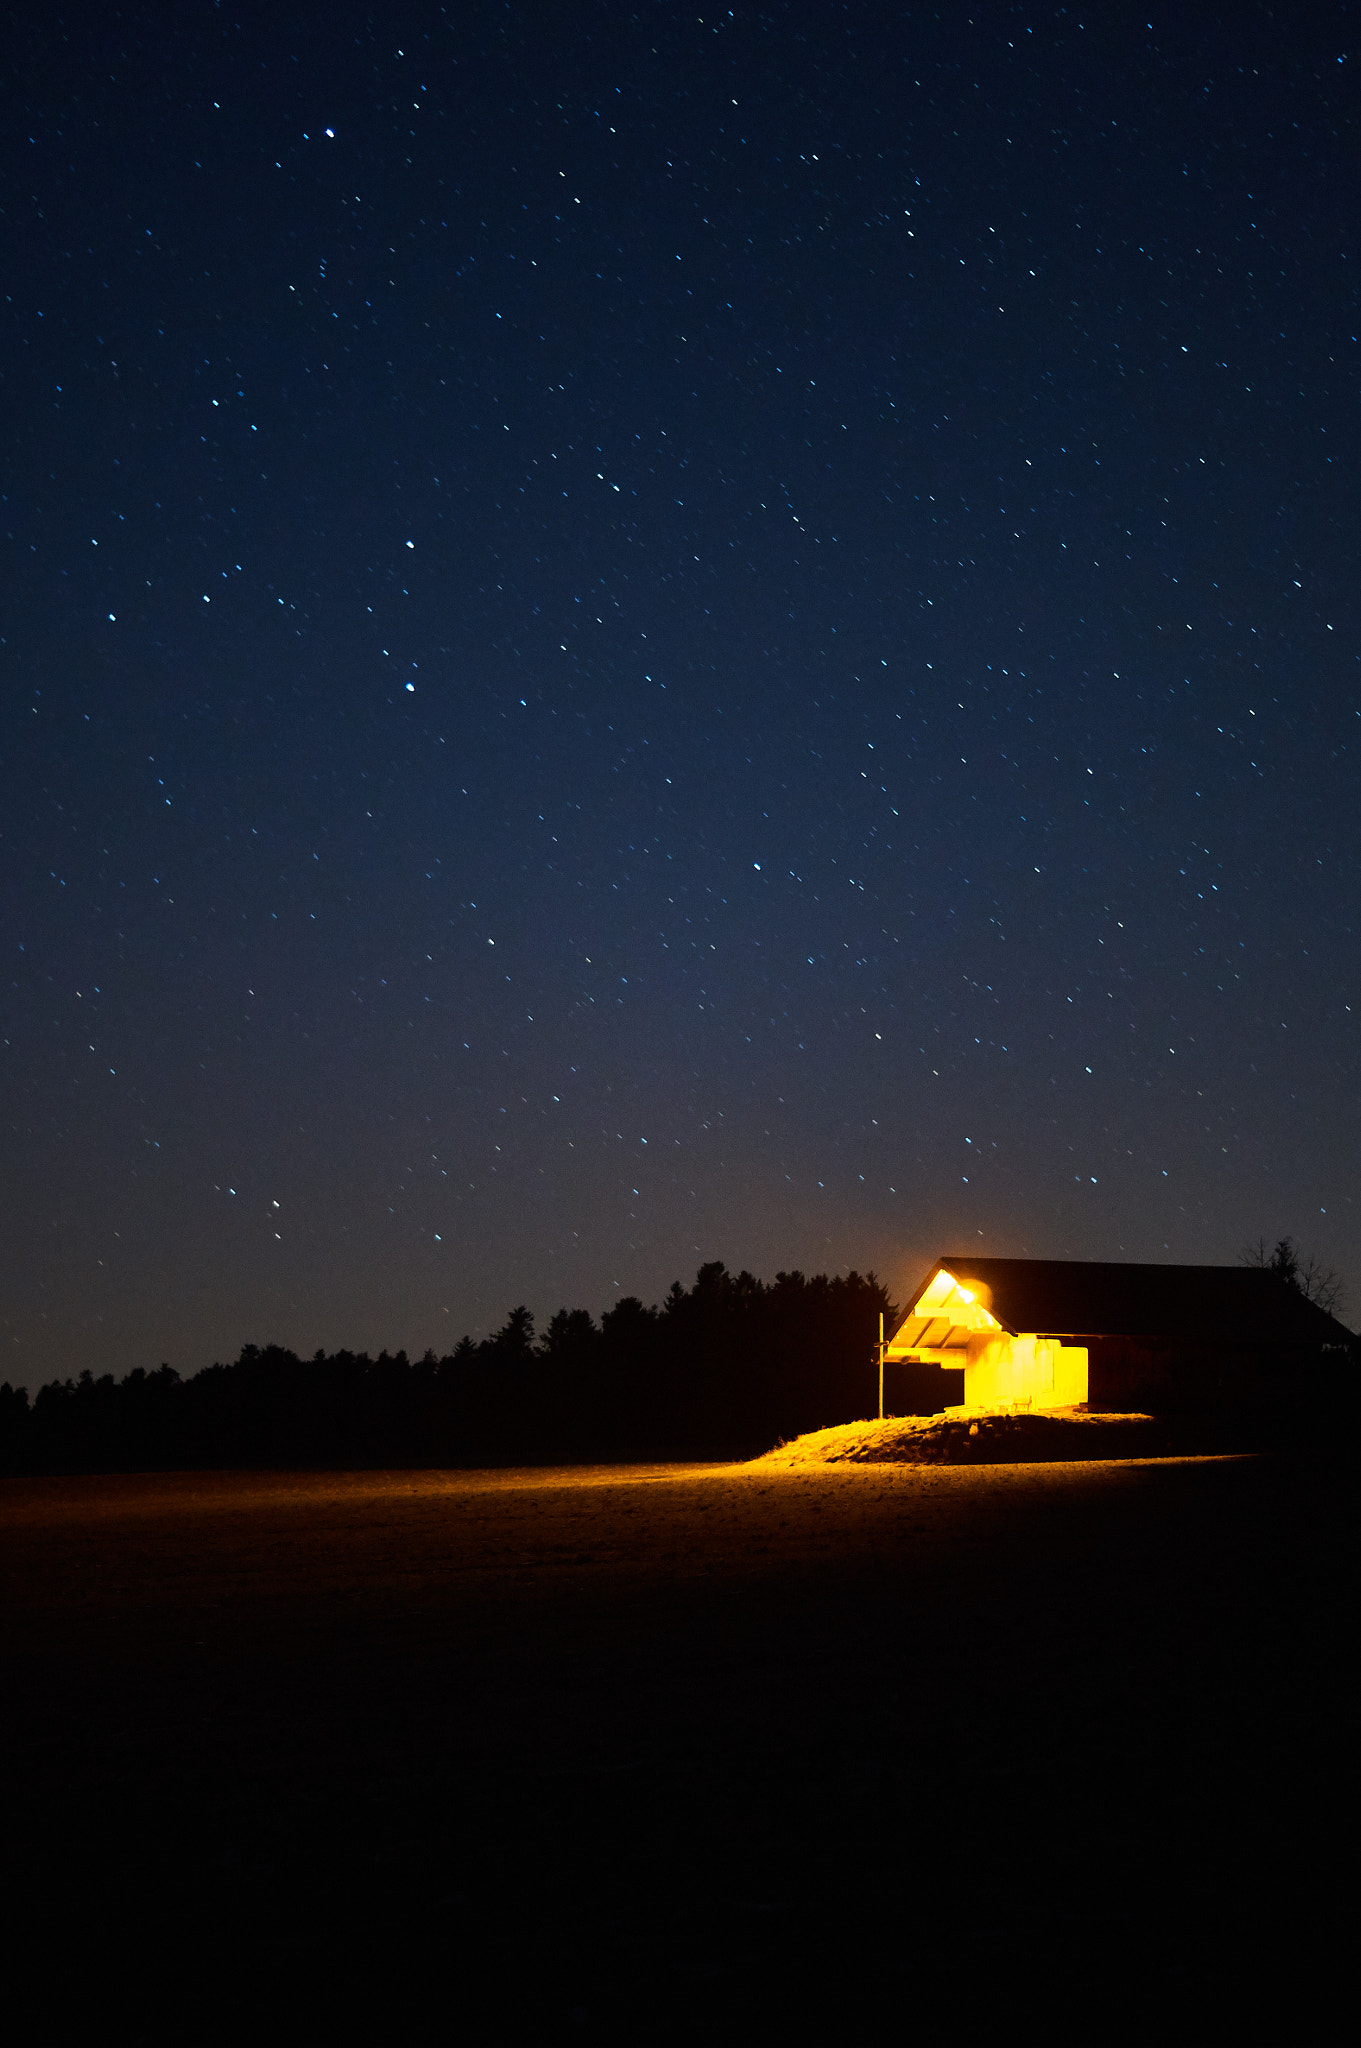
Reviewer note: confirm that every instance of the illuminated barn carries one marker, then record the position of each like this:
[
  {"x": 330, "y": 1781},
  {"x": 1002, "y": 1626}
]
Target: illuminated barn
[{"x": 1051, "y": 1333}]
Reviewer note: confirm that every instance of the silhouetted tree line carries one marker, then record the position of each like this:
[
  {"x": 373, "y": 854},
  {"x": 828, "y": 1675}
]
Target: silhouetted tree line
[{"x": 728, "y": 1367}]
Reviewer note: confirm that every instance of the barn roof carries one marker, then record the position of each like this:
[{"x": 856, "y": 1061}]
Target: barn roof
[{"x": 1224, "y": 1304}]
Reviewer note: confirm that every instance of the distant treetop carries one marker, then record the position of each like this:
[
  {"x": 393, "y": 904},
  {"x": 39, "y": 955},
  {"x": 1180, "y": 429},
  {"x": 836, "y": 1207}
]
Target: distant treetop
[{"x": 1299, "y": 1270}]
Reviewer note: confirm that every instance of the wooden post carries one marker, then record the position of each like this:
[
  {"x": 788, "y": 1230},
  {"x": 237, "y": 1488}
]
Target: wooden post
[{"x": 881, "y": 1365}]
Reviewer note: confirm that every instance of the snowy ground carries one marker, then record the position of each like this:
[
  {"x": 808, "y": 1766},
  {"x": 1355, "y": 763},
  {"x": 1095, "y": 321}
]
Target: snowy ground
[{"x": 658, "y": 1752}]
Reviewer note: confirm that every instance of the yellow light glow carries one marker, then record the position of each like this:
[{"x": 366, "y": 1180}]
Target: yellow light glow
[
  {"x": 937, "y": 1292},
  {"x": 948, "y": 1325},
  {"x": 944, "y": 1298}
]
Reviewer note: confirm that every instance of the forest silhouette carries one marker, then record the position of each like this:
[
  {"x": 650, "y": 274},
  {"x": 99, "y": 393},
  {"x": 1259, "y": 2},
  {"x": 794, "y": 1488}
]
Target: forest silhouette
[{"x": 724, "y": 1368}]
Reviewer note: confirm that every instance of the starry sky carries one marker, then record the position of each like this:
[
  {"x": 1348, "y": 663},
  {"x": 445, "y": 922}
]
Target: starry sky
[{"x": 642, "y": 635}]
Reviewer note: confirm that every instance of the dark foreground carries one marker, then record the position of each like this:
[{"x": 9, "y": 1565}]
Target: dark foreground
[{"x": 655, "y": 1749}]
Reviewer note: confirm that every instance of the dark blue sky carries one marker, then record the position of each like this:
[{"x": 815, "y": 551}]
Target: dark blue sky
[{"x": 634, "y": 636}]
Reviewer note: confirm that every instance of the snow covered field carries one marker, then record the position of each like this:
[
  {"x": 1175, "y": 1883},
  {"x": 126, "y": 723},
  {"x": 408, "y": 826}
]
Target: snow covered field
[{"x": 680, "y": 1739}]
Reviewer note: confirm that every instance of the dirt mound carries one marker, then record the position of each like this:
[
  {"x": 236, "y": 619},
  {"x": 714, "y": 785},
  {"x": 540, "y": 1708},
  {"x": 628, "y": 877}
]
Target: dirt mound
[{"x": 980, "y": 1437}]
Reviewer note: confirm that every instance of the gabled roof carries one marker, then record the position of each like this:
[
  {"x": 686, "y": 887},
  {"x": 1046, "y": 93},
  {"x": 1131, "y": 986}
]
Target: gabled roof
[{"x": 1226, "y": 1304}]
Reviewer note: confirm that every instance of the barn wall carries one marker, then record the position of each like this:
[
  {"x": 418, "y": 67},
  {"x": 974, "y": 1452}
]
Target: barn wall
[
  {"x": 1002, "y": 1369},
  {"x": 1162, "y": 1374},
  {"x": 1132, "y": 1373}
]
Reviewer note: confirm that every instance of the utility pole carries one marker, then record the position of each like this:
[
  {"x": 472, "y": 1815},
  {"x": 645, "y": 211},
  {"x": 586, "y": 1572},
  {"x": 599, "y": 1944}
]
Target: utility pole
[{"x": 881, "y": 1365}]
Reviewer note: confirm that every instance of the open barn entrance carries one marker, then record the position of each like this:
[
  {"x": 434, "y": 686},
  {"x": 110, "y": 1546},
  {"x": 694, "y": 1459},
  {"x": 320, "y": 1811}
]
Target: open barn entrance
[{"x": 918, "y": 1386}]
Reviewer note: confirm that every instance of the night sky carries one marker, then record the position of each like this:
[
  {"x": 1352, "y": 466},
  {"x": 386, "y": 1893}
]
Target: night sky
[{"x": 634, "y": 636}]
